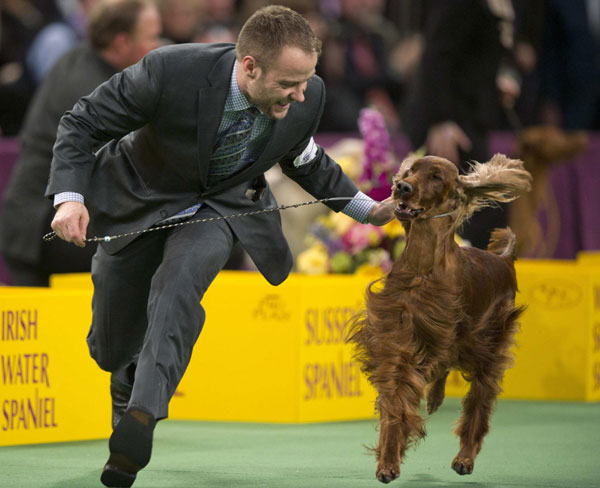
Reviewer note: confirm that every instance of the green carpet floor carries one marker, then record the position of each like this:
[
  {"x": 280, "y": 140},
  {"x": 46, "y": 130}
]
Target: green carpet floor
[{"x": 546, "y": 445}]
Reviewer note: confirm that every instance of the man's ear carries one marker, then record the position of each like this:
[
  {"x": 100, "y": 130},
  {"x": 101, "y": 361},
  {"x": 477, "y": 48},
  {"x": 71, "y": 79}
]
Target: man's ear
[{"x": 250, "y": 66}]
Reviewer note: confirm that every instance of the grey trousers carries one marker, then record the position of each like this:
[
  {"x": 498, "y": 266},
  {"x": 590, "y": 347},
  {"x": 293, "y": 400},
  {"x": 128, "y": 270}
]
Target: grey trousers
[{"x": 146, "y": 305}]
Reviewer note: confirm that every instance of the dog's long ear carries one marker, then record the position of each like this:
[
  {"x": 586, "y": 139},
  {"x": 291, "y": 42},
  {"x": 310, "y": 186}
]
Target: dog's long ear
[{"x": 499, "y": 180}]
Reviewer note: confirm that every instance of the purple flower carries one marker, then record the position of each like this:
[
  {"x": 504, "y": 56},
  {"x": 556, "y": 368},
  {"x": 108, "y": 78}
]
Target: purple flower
[{"x": 377, "y": 166}]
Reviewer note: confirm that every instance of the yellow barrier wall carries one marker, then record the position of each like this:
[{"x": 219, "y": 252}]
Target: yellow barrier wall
[
  {"x": 276, "y": 354},
  {"x": 588, "y": 258},
  {"x": 50, "y": 389},
  {"x": 557, "y": 352}
]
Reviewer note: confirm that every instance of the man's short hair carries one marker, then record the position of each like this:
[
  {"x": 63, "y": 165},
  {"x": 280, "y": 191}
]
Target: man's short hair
[
  {"x": 112, "y": 17},
  {"x": 272, "y": 28}
]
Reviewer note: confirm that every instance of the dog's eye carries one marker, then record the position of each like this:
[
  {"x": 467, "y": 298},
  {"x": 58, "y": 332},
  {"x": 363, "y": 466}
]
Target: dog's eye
[{"x": 436, "y": 176}]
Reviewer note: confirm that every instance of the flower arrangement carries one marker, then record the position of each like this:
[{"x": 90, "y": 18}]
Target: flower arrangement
[{"x": 337, "y": 243}]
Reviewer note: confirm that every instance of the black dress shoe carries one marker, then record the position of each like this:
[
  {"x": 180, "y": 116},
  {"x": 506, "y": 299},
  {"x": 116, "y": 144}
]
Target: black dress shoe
[
  {"x": 130, "y": 448},
  {"x": 115, "y": 477}
]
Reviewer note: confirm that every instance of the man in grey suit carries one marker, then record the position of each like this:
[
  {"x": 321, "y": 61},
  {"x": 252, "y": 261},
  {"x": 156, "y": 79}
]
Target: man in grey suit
[
  {"x": 120, "y": 33},
  {"x": 189, "y": 130}
]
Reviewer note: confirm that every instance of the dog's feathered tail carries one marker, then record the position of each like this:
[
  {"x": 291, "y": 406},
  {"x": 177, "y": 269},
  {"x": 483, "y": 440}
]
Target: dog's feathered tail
[{"x": 503, "y": 242}]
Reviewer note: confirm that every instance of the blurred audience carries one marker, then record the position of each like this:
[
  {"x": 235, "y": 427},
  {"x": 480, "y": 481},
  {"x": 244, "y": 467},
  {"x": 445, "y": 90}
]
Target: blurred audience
[
  {"x": 529, "y": 30},
  {"x": 355, "y": 65},
  {"x": 121, "y": 32},
  {"x": 219, "y": 23},
  {"x": 58, "y": 37},
  {"x": 570, "y": 63},
  {"x": 372, "y": 49},
  {"x": 20, "y": 21},
  {"x": 455, "y": 99},
  {"x": 181, "y": 19},
  {"x": 454, "y": 70},
  {"x": 408, "y": 16}
]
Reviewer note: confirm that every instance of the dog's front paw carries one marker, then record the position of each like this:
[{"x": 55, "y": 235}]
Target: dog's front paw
[
  {"x": 385, "y": 474},
  {"x": 463, "y": 465}
]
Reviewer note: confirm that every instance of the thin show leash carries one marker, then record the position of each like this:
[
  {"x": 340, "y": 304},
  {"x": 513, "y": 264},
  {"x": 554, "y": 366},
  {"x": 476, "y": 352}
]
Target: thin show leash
[
  {"x": 51, "y": 235},
  {"x": 512, "y": 117}
]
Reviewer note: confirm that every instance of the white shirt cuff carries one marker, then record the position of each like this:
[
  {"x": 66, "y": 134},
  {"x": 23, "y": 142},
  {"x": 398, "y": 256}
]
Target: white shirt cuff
[
  {"x": 359, "y": 207},
  {"x": 67, "y": 196}
]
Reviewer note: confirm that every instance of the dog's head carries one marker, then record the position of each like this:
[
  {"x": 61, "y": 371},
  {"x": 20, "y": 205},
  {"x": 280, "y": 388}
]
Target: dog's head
[
  {"x": 424, "y": 187},
  {"x": 431, "y": 187},
  {"x": 542, "y": 146}
]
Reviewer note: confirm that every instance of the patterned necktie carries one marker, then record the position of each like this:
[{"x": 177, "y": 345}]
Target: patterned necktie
[{"x": 231, "y": 146}]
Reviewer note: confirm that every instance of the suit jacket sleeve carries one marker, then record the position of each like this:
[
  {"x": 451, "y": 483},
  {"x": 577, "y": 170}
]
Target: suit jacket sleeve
[
  {"x": 322, "y": 177},
  {"x": 124, "y": 103}
]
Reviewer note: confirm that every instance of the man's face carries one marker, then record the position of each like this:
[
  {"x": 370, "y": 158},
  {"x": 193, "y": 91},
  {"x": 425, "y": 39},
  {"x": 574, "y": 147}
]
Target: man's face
[
  {"x": 283, "y": 83},
  {"x": 146, "y": 35}
]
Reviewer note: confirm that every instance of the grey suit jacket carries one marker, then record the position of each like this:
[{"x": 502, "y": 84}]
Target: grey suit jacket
[{"x": 138, "y": 149}]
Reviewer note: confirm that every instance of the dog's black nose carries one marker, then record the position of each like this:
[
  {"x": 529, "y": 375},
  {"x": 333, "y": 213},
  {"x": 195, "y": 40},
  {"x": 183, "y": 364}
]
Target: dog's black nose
[{"x": 404, "y": 188}]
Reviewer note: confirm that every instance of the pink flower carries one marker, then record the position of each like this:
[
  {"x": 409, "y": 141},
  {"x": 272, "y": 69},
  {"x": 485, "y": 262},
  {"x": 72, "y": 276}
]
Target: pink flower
[{"x": 361, "y": 236}]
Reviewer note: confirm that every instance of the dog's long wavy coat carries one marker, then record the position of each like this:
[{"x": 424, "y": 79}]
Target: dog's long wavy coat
[{"x": 441, "y": 307}]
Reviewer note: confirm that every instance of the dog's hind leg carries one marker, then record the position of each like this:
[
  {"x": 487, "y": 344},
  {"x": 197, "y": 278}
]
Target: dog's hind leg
[
  {"x": 473, "y": 424},
  {"x": 486, "y": 376},
  {"x": 436, "y": 393}
]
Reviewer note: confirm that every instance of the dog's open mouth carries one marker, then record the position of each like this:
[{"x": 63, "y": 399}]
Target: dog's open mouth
[{"x": 404, "y": 212}]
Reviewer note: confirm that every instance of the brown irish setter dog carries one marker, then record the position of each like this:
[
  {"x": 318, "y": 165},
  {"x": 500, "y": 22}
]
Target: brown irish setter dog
[{"x": 441, "y": 307}]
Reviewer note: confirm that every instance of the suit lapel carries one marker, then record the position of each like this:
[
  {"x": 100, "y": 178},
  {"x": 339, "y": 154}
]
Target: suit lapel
[
  {"x": 274, "y": 147},
  {"x": 279, "y": 144},
  {"x": 211, "y": 102}
]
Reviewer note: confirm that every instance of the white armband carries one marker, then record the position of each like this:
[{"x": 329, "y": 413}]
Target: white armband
[{"x": 309, "y": 153}]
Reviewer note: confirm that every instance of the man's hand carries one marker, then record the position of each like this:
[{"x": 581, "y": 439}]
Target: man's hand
[
  {"x": 382, "y": 213},
  {"x": 70, "y": 222},
  {"x": 445, "y": 140}
]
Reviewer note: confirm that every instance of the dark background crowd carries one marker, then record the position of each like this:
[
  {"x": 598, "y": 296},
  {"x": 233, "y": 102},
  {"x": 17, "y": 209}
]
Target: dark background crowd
[
  {"x": 372, "y": 50},
  {"x": 444, "y": 73}
]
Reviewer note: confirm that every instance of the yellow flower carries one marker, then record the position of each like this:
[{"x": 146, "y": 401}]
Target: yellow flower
[
  {"x": 325, "y": 220},
  {"x": 340, "y": 222},
  {"x": 314, "y": 260},
  {"x": 393, "y": 229},
  {"x": 350, "y": 166},
  {"x": 369, "y": 270},
  {"x": 375, "y": 236}
]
